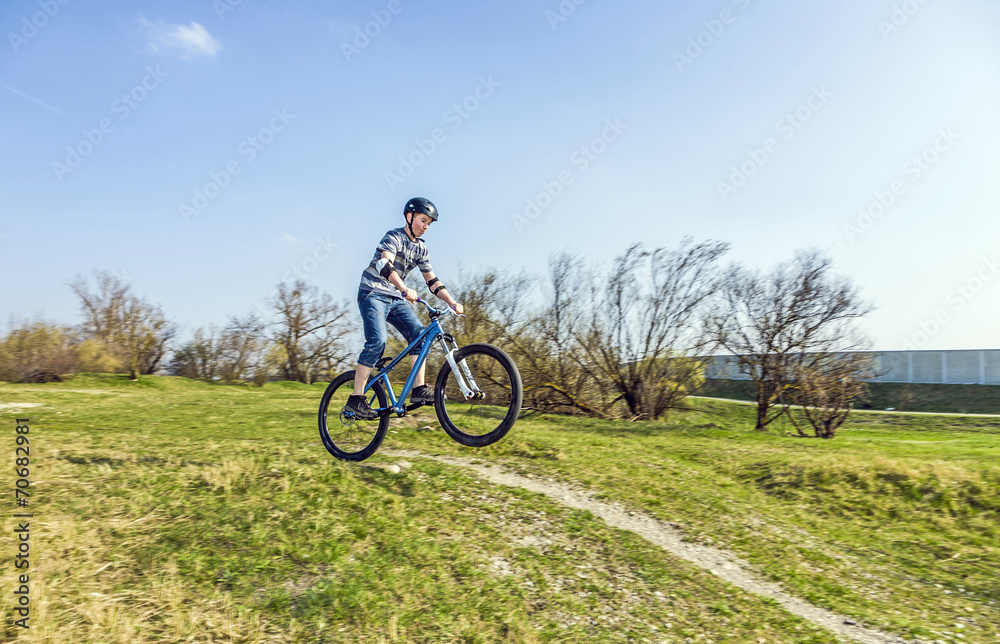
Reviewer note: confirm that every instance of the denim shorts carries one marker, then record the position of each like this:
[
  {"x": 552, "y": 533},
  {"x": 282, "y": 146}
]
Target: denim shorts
[{"x": 376, "y": 308}]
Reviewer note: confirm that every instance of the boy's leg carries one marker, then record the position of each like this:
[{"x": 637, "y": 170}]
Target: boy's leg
[
  {"x": 361, "y": 378},
  {"x": 408, "y": 324},
  {"x": 419, "y": 380},
  {"x": 373, "y": 313}
]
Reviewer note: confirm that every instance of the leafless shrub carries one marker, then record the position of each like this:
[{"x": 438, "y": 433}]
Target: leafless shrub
[
  {"x": 38, "y": 352},
  {"x": 770, "y": 320},
  {"x": 824, "y": 388}
]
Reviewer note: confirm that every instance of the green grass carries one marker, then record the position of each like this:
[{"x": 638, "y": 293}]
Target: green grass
[
  {"x": 174, "y": 510},
  {"x": 960, "y": 399}
]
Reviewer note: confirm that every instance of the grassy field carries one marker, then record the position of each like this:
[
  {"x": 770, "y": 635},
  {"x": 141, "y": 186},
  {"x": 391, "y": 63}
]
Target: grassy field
[
  {"x": 960, "y": 399},
  {"x": 170, "y": 510}
]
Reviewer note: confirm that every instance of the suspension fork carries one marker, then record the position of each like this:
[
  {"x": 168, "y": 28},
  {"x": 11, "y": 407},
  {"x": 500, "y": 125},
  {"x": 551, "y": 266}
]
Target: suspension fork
[{"x": 470, "y": 390}]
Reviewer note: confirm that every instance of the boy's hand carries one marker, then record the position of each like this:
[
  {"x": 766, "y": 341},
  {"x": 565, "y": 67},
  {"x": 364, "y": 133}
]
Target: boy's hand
[
  {"x": 410, "y": 295},
  {"x": 459, "y": 308}
]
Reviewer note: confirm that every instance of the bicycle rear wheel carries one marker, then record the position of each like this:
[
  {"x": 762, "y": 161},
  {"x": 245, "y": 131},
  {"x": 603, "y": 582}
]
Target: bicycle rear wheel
[
  {"x": 344, "y": 436},
  {"x": 495, "y": 405}
]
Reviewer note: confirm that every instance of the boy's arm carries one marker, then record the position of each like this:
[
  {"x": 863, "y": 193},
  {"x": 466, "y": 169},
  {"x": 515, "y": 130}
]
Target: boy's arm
[
  {"x": 396, "y": 280},
  {"x": 438, "y": 289}
]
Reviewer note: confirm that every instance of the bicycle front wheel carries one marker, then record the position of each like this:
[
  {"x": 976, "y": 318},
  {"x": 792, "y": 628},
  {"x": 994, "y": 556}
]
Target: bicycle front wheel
[
  {"x": 344, "y": 436},
  {"x": 492, "y": 410}
]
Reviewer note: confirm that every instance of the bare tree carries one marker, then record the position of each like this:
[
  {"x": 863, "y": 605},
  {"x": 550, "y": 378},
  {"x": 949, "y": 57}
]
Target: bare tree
[
  {"x": 559, "y": 375},
  {"x": 102, "y": 310},
  {"x": 236, "y": 353},
  {"x": 500, "y": 308},
  {"x": 199, "y": 357},
  {"x": 768, "y": 321},
  {"x": 137, "y": 332},
  {"x": 494, "y": 302},
  {"x": 242, "y": 349},
  {"x": 640, "y": 334},
  {"x": 311, "y": 329},
  {"x": 143, "y": 336}
]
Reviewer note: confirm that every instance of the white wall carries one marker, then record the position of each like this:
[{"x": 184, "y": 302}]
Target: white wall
[{"x": 950, "y": 367}]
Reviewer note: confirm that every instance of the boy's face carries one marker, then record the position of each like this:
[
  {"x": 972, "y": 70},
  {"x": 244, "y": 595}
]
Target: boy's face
[{"x": 420, "y": 223}]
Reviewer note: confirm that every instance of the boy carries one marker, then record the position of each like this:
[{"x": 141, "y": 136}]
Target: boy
[{"x": 383, "y": 296}]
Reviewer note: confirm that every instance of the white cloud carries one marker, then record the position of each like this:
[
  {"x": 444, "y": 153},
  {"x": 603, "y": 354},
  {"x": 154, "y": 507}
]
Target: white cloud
[
  {"x": 289, "y": 237},
  {"x": 186, "y": 42}
]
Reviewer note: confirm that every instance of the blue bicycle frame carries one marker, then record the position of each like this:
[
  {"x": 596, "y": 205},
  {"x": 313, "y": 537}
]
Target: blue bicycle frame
[{"x": 432, "y": 332}]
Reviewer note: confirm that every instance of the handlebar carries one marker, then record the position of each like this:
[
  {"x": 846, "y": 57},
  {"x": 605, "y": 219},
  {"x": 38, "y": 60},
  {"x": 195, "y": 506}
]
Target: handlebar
[{"x": 433, "y": 312}]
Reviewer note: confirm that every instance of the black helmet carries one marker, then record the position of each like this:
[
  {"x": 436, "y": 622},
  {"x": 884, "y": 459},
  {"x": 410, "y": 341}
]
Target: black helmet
[{"x": 419, "y": 205}]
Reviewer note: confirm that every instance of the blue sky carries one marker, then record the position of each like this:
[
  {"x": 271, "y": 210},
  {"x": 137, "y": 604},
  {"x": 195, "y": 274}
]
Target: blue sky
[{"x": 535, "y": 126}]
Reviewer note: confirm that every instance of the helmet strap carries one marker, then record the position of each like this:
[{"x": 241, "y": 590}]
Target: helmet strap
[{"x": 409, "y": 225}]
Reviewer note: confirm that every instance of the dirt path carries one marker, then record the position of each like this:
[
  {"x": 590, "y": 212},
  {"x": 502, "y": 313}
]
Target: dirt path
[{"x": 722, "y": 563}]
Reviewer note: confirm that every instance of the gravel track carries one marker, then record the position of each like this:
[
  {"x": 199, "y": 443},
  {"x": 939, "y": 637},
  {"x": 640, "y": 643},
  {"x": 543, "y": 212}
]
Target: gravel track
[{"x": 722, "y": 563}]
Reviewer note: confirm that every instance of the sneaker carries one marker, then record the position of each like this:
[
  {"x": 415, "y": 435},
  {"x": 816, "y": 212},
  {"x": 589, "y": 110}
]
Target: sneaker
[
  {"x": 422, "y": 395},
  {"x": 358, "y": 405}
]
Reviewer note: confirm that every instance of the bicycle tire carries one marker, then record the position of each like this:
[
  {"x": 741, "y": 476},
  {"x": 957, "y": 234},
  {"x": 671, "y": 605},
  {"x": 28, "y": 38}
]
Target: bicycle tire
[
  {"x": 351, "y": 441},
  {"x": 493, "y": 416}
]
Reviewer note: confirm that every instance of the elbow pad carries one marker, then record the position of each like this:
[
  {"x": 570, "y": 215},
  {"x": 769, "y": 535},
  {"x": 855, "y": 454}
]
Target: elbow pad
[
  {"x": 431, "y": 284},
  {"x": 384, "y": 267}
]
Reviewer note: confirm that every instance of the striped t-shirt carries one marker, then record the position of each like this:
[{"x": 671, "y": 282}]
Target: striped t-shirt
[{"x": 409, "y": 254}]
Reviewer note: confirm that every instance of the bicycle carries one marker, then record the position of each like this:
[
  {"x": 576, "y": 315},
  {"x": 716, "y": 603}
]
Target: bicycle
[{"x": 477, "y": 395}]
